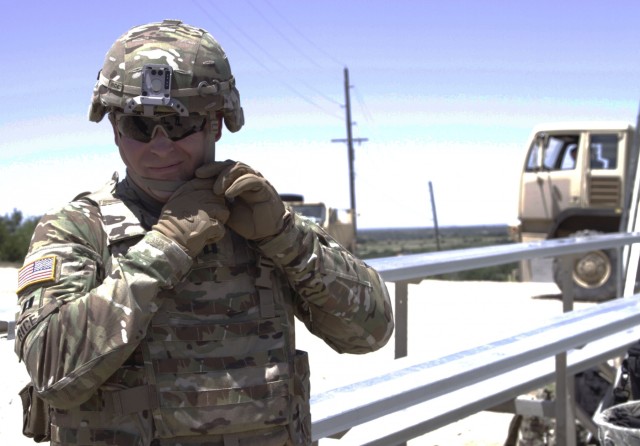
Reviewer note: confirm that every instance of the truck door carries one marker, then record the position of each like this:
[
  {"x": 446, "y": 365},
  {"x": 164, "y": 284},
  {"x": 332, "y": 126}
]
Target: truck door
[{"x": 552, "y": 180}]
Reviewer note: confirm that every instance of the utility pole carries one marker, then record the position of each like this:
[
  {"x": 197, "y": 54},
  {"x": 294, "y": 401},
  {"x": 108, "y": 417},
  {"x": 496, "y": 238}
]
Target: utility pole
[
  {"x": 435, "y": 216},
  {"x": 350, "y": 139}
]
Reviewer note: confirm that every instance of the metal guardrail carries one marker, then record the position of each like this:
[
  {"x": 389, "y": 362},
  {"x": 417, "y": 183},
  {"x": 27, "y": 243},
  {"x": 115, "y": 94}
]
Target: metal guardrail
[
  {"x": 414, "y": 267},
  {"x": 419, "y": 266},
  {"x": 340, "y": 409},
  {"x": 390, "y": 396}
]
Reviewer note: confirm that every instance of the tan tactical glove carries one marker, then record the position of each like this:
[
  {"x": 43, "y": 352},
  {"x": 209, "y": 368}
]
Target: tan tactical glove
[
  {"x": 257, "y": 211},
  {"x": 193, "y": 216}
]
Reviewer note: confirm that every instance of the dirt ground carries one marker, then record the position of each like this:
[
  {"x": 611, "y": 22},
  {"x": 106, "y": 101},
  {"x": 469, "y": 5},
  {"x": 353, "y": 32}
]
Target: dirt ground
[{"x": 444, "y": 317}]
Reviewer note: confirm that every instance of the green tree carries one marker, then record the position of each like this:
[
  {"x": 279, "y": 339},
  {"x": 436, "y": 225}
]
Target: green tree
[{"x": 15, "y": 235}]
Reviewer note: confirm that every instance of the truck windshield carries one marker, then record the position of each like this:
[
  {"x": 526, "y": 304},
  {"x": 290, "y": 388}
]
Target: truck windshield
[{"x": 559, "y": 154}]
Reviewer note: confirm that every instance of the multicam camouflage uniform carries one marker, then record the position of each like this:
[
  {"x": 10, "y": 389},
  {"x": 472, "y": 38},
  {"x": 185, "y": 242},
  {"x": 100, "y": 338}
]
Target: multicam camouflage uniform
[{"x": 133, "y": 343}]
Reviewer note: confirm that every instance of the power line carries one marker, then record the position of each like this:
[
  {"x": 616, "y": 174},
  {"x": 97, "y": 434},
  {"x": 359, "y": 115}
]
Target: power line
[
  {"x": 367, "y": 114},
  {"x": 297, "y": 49},
  {"x": 257, "y": 60},
  {"x": 365, "y": 110},
  {"x": 284, "y": 36},
  {"x": 297, "y": 31}
]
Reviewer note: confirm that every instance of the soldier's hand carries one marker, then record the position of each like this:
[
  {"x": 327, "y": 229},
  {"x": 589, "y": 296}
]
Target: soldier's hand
[
  {"x": 193, "y": 216},
  {"x": 257, "y": 211}
]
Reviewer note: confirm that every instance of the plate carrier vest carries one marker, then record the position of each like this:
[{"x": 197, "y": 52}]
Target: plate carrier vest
[{"x": 218, "y": 360}]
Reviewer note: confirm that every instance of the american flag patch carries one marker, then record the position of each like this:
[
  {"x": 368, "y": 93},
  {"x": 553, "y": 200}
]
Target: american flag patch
[{"x": 41, "y": 270}]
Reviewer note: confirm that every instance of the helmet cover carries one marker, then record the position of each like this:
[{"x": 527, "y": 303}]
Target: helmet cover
[{"x": 199, "y": 78}]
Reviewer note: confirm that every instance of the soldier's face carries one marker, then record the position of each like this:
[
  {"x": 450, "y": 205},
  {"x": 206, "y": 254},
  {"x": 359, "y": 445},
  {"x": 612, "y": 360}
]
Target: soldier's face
[{"x": 162, "y": 158}]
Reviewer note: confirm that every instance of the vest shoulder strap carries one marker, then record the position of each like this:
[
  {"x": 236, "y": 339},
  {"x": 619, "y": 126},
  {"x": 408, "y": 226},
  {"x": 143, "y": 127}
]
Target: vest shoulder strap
[{"x": 118, "y": 221}]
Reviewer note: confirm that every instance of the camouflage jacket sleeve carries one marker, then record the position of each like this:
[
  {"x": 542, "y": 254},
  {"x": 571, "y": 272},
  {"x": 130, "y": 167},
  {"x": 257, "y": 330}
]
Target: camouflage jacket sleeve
[
  {"x": 78, "y": 326},
  {"x": 343, "y": 300}
]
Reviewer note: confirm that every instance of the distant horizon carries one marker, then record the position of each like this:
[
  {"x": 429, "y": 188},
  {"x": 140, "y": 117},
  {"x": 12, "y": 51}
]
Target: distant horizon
[{"x": 409, "y": 228}]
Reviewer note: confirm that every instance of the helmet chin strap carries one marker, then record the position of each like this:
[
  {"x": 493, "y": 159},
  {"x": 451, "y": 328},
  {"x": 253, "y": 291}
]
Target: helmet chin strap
[{"x": 210, "y": 154}]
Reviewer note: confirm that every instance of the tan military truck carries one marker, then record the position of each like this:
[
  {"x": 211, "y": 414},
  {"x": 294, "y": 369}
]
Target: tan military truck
[
  {"x": 337, "y": 222},
  {"x": 576, "y": 180}
]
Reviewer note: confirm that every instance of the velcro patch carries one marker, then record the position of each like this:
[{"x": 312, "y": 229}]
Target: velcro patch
[{"x": 41, "y": 270}]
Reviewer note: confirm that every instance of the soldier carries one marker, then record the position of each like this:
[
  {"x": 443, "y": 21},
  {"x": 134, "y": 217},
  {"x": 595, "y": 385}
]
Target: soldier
[{"x": 160, "y": 309}]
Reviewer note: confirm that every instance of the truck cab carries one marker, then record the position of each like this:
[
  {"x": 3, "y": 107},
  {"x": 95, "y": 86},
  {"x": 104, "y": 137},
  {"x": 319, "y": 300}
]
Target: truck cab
[{"x": 576, "y": 181}]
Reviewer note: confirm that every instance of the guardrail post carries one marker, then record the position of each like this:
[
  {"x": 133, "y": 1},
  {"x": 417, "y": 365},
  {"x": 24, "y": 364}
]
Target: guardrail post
[
  {"x": 401, "y": 315},
  {"x": 620, "y": 273},
  {"x": 565, "y": 404},
  {"x": 565, "y": 398}
]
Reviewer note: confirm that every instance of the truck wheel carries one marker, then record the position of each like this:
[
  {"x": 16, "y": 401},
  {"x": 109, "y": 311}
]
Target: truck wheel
[{"x": 594, "y": 273}]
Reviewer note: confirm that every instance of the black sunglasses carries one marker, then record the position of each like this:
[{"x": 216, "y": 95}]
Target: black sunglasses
[{"x": 142, "y": 128}]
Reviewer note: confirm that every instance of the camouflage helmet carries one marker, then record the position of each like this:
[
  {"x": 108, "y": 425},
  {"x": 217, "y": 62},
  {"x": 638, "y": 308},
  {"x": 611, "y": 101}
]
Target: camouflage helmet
[{"x": 191, "y": 74}]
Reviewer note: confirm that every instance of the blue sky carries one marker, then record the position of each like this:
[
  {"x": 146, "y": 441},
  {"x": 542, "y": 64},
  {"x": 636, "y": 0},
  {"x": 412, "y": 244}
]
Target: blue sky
[{"x": 445, "y": 92}]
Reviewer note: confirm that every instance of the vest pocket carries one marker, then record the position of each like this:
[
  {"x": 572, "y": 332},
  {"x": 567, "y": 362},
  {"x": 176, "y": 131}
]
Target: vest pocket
[
  {"x": 200, "y": 405},
  {"x": 222, "y": 419},
  {"x": 36, "y": 421}
]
